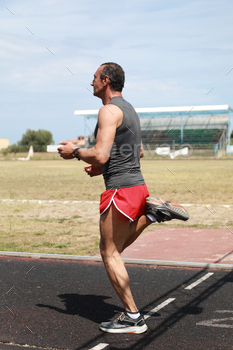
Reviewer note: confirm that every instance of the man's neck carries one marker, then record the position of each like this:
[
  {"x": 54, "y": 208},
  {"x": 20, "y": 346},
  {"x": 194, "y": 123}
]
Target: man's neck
[{"x": 108, "y": 96}]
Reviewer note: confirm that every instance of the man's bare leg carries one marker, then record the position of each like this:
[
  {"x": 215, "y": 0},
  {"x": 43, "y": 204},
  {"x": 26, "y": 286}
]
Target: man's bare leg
[
  {"x": 114, "y": 228},
  {"x": 135, "y": 229}
]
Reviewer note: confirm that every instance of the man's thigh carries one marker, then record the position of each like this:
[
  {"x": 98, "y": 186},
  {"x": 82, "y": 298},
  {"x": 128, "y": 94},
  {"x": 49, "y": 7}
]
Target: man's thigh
[{"x": 114, "y": 229}]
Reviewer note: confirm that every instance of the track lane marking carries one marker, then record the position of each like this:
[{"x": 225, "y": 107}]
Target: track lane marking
[
  {"x": 51, "y": 201},
  {"x": 214, "y": 322},
  {"x": 159, "y": 307},
  {"x": 100, "y": 346},
  {"x": 194, "y": 284}
]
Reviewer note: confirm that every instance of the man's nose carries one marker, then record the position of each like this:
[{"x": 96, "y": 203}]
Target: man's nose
[{"x": 92, "y": 84}]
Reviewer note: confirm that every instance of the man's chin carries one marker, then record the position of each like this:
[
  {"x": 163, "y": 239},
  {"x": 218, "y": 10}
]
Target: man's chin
[{"x": 95, "y": 94}]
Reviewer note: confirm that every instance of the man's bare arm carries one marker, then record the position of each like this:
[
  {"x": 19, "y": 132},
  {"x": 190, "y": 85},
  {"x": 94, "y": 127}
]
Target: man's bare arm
[
  {"x": 93, "y": 169},
  {"x": 109, "y": 119},
  {"x": 141, "y": 151}
]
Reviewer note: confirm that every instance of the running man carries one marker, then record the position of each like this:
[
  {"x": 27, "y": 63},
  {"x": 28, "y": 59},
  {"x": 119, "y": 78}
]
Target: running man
[{"x": 125, "y": 207}]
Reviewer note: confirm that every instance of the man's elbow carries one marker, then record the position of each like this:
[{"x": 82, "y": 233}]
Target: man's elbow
[
  {"x": 101, "y": 159},
  {"x": 102, "y": 155}
]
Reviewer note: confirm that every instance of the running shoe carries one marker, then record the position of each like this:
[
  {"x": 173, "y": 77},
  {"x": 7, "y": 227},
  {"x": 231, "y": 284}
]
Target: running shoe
[
  {"x": 125, "y": 324},
  {"x": 164, "y": 211}
]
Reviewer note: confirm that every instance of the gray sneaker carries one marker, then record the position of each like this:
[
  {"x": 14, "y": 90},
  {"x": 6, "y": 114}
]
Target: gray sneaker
[
  {"x": 162, "y": 210},
  {"x": 125, "y": 324}
]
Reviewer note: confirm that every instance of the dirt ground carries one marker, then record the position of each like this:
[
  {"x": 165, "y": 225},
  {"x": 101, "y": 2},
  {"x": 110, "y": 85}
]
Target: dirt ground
[
  {"x": 53, "y": 205},
  {"x": 73, "y": 227},
  {"x": 200, "y": 214}
]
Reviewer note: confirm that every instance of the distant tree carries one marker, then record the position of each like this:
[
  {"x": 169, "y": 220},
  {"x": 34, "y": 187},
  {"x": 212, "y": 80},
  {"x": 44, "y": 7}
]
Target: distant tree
[{"x": 38, "y": 139}]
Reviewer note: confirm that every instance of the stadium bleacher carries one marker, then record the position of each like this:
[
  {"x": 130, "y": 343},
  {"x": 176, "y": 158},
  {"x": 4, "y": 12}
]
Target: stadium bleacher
[
  {"x": 204, "y": 128},
  {"x": 199, "y": 138}
]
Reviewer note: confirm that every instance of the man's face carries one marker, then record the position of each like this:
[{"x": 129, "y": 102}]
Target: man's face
[{"x": 97, "y": 83}]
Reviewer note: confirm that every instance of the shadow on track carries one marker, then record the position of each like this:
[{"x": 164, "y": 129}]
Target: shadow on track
[{"x": 91, "y": 307}]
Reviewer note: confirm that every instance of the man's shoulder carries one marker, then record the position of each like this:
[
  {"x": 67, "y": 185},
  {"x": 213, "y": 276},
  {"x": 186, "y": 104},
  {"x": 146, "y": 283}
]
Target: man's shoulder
[
  {"x": 110, "y": 110},
  {"x": 110, "y": 114}
]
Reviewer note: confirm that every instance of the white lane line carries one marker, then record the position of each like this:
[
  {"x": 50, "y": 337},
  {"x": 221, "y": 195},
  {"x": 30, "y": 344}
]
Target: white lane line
[
  {"x": 224, "y": 311},
  {"x": 100, "y": 346},
  {"x": 213, "y": 323},
  {"x": 159, "y": 307},
  {"x": 194, "y": 284},
  {"x": 41, "y": 201}
]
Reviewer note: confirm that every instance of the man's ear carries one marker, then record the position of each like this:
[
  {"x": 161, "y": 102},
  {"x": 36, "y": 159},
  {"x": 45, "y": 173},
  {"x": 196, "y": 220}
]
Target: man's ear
[{"x": 106, "y": 80}]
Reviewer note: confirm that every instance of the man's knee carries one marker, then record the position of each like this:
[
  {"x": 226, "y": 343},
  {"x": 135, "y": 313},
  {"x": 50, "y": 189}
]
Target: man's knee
[{"x": 108, "y": 251}]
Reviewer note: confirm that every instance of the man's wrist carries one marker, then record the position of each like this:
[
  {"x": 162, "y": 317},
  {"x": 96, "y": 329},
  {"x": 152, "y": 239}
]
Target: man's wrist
[{"x": 75, "y": 153}]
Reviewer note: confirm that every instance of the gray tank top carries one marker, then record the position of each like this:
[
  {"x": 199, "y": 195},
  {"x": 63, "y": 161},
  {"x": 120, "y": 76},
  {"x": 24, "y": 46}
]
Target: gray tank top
[{"x": 123, "y": 167}]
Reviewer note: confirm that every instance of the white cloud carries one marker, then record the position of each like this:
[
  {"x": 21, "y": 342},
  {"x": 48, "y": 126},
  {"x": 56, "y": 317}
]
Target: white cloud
[{"x": 173, "y": 52}]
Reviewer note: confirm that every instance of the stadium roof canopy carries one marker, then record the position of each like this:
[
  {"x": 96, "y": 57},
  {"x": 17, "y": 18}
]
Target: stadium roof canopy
[
  {"x": 152, "y": 112},
  {"x": 169, "y": 116}
]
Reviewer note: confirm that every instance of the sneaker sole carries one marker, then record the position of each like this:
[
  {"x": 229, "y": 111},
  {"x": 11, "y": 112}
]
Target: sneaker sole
[
  {"x": 127, "y": 330},
  {"x": 175, "y": 211}
]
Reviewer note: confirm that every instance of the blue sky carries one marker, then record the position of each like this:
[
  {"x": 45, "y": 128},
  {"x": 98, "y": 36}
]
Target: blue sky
[{"x": 173, "y": 53}]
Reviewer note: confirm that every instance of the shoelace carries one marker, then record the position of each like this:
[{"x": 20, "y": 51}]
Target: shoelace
[{"x": 120, "y": 317}]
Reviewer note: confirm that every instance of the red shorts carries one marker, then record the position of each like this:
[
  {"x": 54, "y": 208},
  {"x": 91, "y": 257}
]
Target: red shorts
[{"x": 130, "y": 201}]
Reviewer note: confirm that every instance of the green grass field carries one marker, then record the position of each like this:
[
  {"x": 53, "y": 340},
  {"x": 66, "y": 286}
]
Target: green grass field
[
  {"x": 209, "y": 180},
  {"x": 39, "y": 227}
]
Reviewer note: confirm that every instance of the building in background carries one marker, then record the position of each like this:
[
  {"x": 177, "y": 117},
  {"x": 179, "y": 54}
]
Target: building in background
[
  {"x": 4, "y": 143},
  {"x": 170, "y": 131}
]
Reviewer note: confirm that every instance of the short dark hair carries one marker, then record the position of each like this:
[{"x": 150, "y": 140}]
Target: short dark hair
[{"x": 115, "y": 74}]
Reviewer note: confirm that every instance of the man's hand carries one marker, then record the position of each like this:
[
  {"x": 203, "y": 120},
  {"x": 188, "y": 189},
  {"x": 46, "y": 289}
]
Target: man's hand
[
  {"x": 66, "y": 151},
  {"x": 93, "y": 169}
]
